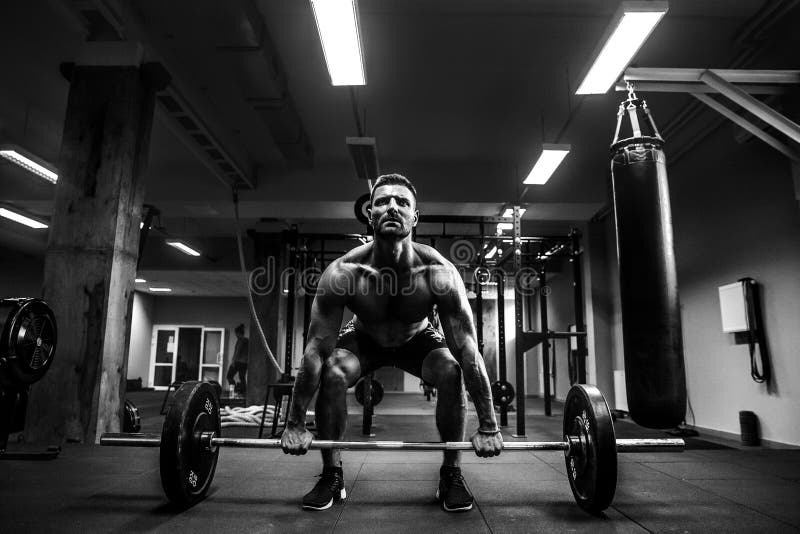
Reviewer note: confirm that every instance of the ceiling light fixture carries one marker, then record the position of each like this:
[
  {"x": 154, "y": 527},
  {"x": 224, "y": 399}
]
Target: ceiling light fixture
[
  {"x": 504, "y": 226},
  {"x": 551, "y": 157},
  {"x": 183, "y": 247},
  {"x": 28, "y": 221},
  {"x": 159, "y": 289},
  {"x": 629, "y": 29},
  {"x": 29, "y": 162},
  {"x": 337, "y": 23},
  {"x": 140, "y": 280}
]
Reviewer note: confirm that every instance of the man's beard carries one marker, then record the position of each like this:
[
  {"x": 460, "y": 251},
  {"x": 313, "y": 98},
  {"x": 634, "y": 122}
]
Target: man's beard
[{"x": 397, "y": 231}]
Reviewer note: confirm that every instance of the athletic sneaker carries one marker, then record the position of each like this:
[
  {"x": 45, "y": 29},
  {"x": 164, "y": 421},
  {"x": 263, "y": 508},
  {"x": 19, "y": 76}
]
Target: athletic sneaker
[
  {"x": 329, "y": 488},
  {"x": 453, "y": 492}
]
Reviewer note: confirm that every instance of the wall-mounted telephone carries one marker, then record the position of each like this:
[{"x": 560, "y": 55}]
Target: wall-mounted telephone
[{"x": 740, "y": 307}]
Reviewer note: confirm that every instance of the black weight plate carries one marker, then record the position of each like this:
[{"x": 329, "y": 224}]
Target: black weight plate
[
  {"x": 503, "y": 393},
  {"x": 29, "y": 336},
  {"x": 131, "y": 421},
  {"x": 186, "y": 468},
  {"x": 377, "y": 392},
  {"x": 217, "y": 387},
  {"x": 360, "y": 208},
  {"x": 593, "y": 472}
]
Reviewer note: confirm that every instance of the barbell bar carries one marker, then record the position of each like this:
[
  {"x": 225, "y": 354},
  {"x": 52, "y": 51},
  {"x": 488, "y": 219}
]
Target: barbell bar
[
  {"x": 190, "y": 443},
  {"x": 209, "y": 439}
]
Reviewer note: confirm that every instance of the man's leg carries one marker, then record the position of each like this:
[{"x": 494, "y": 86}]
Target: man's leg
[
  {"x": 243, "y": 375},
  {"x": 340, "y": 371},
  {"x": 231, "y": 374},
  {"x": 443, "y": 371}
]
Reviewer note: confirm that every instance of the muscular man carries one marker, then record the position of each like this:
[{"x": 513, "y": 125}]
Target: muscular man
[{"x": 391, "y": 284}]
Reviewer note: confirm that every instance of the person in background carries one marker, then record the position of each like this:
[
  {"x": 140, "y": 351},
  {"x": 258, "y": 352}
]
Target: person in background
[{"x": 239, "y": 361}]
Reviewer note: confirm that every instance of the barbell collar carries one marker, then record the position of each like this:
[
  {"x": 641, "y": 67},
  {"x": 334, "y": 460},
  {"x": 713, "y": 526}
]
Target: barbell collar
[{"x": 623, "y": 445}]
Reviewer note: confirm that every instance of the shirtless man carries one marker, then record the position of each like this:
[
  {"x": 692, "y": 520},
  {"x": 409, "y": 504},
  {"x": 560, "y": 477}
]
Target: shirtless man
[{"x": 391, "y": 284}]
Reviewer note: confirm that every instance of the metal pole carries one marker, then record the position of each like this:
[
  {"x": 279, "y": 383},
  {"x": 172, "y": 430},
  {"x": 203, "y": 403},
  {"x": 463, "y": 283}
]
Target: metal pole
[
  {"x": 580, "y": 326},
  {"x": 501, "y": 340},
  {"x": 520, "y": 327},
  {"x": 479, "y": 313},
  {"x": 291, "y": 246},
  {"x": 548, "y": 410},
  {"x": 753, "y": 105}
]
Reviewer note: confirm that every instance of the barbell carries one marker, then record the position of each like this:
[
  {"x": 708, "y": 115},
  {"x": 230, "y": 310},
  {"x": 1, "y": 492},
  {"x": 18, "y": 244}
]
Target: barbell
[{"x": 190, "y": 440}]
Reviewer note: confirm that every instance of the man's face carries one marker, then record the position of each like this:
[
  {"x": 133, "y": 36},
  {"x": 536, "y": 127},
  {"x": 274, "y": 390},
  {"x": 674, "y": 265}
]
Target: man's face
[{"x": 393, "y": 211}]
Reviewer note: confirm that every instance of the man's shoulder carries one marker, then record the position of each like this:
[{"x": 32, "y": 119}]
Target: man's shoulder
[
  {"x": 348, "y": 265},
  {"x": 431, "y": 257}
]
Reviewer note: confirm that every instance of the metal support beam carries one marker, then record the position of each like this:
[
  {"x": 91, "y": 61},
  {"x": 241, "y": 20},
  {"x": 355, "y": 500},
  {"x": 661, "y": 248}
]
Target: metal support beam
[
  {"x": 753, "y": 105},
  {"x": 728, "y": 113},
  {"x": 737, "y": 76}
]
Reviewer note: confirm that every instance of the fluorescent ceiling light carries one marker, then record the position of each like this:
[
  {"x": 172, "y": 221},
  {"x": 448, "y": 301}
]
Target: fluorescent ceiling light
[
  {"x": 337, "y": 23},
  {"x": 140, "y": 280},
  {"x": 509, "y": 212},
  {"x": 183, "y": 247},
  {"x": 28, "y": 162},
  {"x": 21, "y": 219},
  {"x": 504, "y": 226},
  {"x": 632, "y": 24},
  {"x": 159, "y": 289},
  {"x": 491, "y": 253},
  {"x": 548, "y": 162}
]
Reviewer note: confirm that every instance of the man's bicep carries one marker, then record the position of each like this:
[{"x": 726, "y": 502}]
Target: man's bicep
[{"x": 456, "y": 316}]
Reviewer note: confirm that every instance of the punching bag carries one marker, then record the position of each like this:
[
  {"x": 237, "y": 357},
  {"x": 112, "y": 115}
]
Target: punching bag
[{"x": 651, "y": 321}]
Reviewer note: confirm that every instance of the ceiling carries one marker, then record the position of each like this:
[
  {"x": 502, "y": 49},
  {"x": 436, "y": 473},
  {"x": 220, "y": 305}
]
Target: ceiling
[{"x": 460, "y": 96}]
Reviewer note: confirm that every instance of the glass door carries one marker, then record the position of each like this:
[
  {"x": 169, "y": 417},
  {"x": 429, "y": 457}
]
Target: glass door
[
  {"x": 162, "y": 360},
  {"x": 179, "y": 353},
  {"x": 188, "y": 357},
  {"x": 212, "y": 353}
]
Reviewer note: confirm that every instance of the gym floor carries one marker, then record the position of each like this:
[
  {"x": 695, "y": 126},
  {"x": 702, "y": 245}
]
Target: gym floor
[{"x": 715, "y": 486}]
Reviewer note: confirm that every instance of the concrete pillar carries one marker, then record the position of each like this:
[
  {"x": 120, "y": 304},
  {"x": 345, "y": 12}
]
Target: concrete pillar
[{"x": 93, "y": 246}]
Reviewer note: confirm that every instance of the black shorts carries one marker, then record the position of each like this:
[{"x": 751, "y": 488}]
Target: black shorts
[{"x": 407, "y": 357}]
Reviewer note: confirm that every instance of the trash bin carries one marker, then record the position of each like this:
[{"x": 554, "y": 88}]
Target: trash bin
[{"x": 748, "y": 422}]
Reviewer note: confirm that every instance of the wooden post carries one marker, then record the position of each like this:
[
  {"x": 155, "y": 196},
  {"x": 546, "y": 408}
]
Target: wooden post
[{"x": 92, "y": 250}]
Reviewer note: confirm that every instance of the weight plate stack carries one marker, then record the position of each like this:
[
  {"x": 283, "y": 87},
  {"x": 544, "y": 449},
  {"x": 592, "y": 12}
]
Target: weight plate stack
[
  {"x": 377, "y": 392},
  {"x": 503, "y": 393},
  {"x": 132, "y": 421},
  {"x": 28, "y": 336},
  {"x": 187, "y": 468},
  {"x": 592, "y": 458}
]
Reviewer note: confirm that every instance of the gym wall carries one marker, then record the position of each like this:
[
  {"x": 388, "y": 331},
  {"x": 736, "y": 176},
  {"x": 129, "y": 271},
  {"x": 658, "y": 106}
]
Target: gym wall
[
  {"x": 735, "y": 215},
  {"x": 141, "y": 336},
  {"x": 20, "y": 275},
  {"x": 217, "y": 312}
]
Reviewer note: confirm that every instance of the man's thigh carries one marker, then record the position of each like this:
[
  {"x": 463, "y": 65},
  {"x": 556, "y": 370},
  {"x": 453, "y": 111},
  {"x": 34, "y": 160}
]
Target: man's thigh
[
  {"x": 427, "y": 346},
  {"x": 358, "y": 352}
]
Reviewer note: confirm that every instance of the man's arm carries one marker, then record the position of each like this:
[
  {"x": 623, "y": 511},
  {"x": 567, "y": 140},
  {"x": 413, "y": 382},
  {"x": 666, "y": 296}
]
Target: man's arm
[
  {"x": 459, "y": 330},
  {"x": 323, "y": 330}
]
